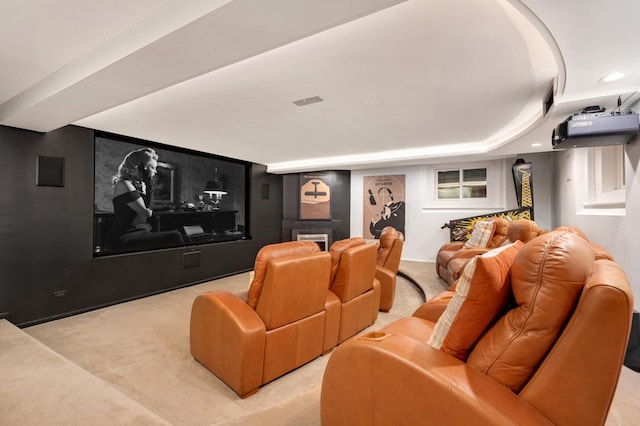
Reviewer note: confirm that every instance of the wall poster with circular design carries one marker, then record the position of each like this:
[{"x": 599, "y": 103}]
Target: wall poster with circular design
[{"x": 384, "y": 204}]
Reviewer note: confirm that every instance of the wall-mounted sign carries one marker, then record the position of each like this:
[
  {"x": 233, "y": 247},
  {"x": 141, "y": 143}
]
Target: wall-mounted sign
[
  {"x": 315, "y": 196},
  {"x": 384, "y": 204}
]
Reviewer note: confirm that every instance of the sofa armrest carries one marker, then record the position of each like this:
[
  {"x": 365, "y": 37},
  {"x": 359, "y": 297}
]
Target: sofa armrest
[
  {"x": 433, "y": 308},
  {"x": 387, "y": 378},
  {"x": 228, "y": 337},
  {"x": 452, "y": 246},
  {"x": 469, "y": 253}
]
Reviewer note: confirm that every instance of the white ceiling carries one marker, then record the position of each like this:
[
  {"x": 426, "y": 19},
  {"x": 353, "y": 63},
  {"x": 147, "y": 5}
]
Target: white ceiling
[{"x": 403, "y": 82}]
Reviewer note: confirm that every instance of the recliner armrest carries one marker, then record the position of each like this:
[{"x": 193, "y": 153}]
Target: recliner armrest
[
  {"x": 387, "y": 280},
  {"x": 433, "y": 308},
  {"x": 383, "y": 273},
  {"x": 387, "y": 378},
  {"x": 228, "y": 337},
  {"x": 332, "y": 308}
]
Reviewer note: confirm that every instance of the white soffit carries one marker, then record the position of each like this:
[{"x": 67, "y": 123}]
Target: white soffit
[{"x": 417, "y": 76}]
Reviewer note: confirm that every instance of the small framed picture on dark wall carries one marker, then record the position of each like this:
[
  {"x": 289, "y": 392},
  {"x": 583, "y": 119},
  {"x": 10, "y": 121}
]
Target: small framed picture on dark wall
[
  {"x": 49, "y": 171},
  {"x": 164, "y": 191},
  {"x": 315, "y": 196}
]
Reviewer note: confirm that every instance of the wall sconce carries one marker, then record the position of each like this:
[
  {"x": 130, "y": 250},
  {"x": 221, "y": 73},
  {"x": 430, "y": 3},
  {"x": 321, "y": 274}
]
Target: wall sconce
[{"x": 215, "y": 190}]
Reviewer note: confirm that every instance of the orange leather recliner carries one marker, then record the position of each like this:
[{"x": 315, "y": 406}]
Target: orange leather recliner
[
  {"x": 455, "y": 249},
  {"x": 600, "y": 252},
  {"x": 387, "y": 264},
  {"x": 288, "y": 318},
  {"x": 553, "y": 358},
  {"x": 353, "y": 281}
]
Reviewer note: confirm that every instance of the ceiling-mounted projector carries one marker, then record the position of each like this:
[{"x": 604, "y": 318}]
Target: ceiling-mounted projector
[{"x": 596, "y": 127}]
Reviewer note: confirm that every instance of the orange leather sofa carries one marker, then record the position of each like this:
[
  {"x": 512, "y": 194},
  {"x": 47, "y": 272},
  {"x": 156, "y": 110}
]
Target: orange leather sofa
[
  {"x": 552, "y": 356},
  {"x": 288, "y": 318},
  {"x": 518, "y": 230},
  {"x": 353, "y": 267},
  {"x": 387, "y": 264},
  {"x": 455, "y": 249}
]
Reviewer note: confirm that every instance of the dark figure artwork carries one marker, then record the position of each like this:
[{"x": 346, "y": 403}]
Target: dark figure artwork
[{"x": 392, "y": 214}]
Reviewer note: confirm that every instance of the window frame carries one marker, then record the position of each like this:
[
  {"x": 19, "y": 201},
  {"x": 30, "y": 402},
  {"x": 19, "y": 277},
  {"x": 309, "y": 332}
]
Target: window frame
[
  {"x": 463, "y": 186},
  {"x": 494, "y": 190},
  {"x": 605, "y": 192}
]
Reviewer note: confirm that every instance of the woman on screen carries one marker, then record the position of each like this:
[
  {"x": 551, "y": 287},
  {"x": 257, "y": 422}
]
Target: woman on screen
[{"x": 131, "y": 198}]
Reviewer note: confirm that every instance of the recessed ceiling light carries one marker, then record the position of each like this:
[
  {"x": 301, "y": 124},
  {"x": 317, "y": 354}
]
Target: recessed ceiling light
[
  {"x": 536, "y": 144},
  {"x": 614, "y": 76}
]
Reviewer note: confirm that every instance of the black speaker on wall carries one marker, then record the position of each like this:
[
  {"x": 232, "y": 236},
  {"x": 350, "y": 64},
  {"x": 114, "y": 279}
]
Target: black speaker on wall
[
  {"x": 50, "y": 171},
  {"x": 265, "y": 191}
]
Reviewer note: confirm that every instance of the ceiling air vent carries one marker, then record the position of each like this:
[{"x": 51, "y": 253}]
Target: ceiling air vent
[{"x": 308, "y": 101}]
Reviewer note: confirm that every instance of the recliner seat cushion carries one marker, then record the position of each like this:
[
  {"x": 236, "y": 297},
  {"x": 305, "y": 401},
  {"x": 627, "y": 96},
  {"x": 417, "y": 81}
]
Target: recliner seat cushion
[{"x": 547, "y": 278}]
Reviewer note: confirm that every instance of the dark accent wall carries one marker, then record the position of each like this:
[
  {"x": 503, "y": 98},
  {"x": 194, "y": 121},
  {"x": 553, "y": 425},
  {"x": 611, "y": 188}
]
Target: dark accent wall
[
  {"x": 47, "y": 268},
  {"x": 340, "y": 207}
]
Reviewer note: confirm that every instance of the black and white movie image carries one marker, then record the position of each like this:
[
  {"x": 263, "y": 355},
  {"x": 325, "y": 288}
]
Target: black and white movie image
[{"x": 151, "y": 196}]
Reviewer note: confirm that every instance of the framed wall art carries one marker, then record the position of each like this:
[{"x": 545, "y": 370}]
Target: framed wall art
[
  {"x": 164, "y": 190},
  {"x": 384, "y": 204},
  {"x": 315, "y": 196}
]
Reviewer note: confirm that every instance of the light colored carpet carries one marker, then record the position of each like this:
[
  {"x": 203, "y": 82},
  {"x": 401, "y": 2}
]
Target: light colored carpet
[{"x": 130, "y": 364}]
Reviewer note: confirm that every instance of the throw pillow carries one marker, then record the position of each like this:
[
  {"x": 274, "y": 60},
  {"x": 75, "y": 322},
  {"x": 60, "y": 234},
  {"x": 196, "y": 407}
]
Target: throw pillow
[
  {"x": 481, "y": 234},
  {"x": 482, "y": 292}
]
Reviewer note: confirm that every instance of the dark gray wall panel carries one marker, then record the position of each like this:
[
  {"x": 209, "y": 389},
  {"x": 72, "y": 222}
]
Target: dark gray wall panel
[{"x": 46, "y": 235}]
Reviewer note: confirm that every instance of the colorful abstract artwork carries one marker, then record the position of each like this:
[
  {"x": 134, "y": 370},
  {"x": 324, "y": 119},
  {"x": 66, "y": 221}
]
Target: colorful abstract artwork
[{"x": 460, "y": 229}]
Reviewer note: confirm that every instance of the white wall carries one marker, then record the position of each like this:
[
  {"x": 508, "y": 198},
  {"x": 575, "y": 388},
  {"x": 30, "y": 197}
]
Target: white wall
[
  {"x": 422, "y": 227},
  {"x": 557, "y": 177},
  {"x": 620, "y": 235}
]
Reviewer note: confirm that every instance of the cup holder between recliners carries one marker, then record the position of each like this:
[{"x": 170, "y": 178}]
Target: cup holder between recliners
[{"x": 374, "y": 335}]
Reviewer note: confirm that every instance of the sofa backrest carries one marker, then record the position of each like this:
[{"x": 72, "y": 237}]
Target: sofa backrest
[
  {"x": 573, "y": 230},
  {"x": 522, "y": 229},
  {"x": 499, "y": 232}
]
